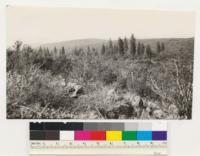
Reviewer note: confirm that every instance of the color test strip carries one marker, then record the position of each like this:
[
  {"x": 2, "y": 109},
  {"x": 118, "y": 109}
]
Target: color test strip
[
  {"x": 131, "y": 126},
  {"x": 37, "y": 135},
  {"x": 129, "y": 135},
  {"x": 159, "y": 135},
  {"x": 98, "y": 131},
  {"x": 114, "y": 135},
  {"x": 144, "y": 126},
  {"x": 144, "y": 135},
  {"x": 95, "y": 126},
  {"x": 82, "y": 135},
  {"x": 52, "y": 135},
  {"x": 98, "y": 135},
  {"x": 66, "y": 135},
  {"x": 57, "y": 126},
  {"x": 90, "y": 135}
]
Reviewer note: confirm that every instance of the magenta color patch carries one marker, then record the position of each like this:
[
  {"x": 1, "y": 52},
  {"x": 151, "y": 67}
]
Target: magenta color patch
[{"x": 82, "y": 135}]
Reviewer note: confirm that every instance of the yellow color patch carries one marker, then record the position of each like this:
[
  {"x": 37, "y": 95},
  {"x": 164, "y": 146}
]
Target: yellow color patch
[{"x": 113, "y": 135}]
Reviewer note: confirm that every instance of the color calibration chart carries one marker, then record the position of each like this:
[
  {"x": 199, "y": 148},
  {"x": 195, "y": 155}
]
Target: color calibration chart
[{"x": 98, "y": 138}]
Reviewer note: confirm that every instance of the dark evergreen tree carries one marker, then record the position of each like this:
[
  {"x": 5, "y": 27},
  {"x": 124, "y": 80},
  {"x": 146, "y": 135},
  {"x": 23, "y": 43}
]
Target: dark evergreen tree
[
  {"x": 110, "y": 47},
  {"x": 158, "y": 47},
  {"x": 148, "y": 51},
  {"x": 142, "y": 49},
  {"x": 88, "y": 51},
  {"x": 121, "y": 46},
  {"x": 62, "y": 51},
  {"x": 55, "y": 52},
  {"x": 139, "y": 49},
  {"x": 125, "y": 45},
  {"x": 132, "y": 47},
  {"x": 103, "y": 49},
  {"x": 110, "y": 44},
  {"x": 162, "y": 46},
  {"x": 46, "y": 52},
  {"x": 17, "y": 46},
  {"x": 40, "y": 50}
]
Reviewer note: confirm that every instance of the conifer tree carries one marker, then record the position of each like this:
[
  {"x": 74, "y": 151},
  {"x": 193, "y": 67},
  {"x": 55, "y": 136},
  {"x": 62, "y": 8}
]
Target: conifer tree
[
  {"x": 158, "y": 47},
  {"x": 103, "y": 49},
  {"x": 139, "y": 49},
  {"x": 132, "y": 47},
  {"x": 162, "y": 46},
  {"x": 110, "y": 44},
  {"x": 148, "y": 51},
  {"x": 110, "y": 47},
  {"x": 62, "y": 52},
  {"x": 121, "y": 46},
  {"x": 88, "y": 49},
  {"x": 55, "y": 51},
  {"x": 142, "y": 49},
  {"x": 125, "y": 45},
  {"x": 40, "y": 50}
]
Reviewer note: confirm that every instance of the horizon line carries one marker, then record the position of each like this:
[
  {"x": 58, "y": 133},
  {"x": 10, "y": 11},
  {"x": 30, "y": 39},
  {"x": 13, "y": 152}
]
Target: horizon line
[{"x": 150, "y": 38}]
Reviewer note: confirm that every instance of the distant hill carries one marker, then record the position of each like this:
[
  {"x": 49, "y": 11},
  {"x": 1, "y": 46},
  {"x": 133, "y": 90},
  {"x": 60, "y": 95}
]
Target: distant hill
[
  {"x": 172, "y": 45},
  {"x": 80, "y": 43}
]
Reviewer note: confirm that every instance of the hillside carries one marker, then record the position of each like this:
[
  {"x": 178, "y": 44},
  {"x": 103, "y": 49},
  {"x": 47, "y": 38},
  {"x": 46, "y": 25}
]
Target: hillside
[
  {"x": 80, "y": 43},
  {"x": 173, "y": 45},
  {"x": 118, "y": 83}
]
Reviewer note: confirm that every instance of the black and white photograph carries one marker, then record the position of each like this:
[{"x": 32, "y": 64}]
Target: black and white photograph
[{"x": 79, "y": 63}]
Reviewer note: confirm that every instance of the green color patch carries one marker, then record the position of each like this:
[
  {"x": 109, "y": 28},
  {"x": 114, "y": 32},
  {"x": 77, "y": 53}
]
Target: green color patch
[{"x": 129, "y": 135}]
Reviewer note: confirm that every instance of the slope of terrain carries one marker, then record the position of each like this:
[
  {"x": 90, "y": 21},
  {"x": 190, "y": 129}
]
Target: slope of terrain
[{"x": 89, "y": 85}]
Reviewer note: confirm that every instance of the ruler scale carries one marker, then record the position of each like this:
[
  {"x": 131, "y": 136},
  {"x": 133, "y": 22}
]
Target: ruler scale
[{"x": 53, "y": 138}]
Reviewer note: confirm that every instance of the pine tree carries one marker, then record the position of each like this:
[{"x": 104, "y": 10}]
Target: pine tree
[
  {"x": 62, "y": 52},
  {"x": 40, "y": 50},
  {"x": 139, "y": 49},
  {"x": 132, "y": 47},
  {"x": 17, "y": 46},
  {"x": 110, "y": 47},
  {"x": 88, "y": 51},
  {"x": 46, "y": 52},
  {"x": 142, "y": 49},
  {"x": 103, "y": 49},
  {"x": 121, "y": 46},
  {"x": 162, "y": 46},
  {"x": 110, "y": 44},
  {"x": 158, "y": 47},
  {"x": 148, "y": 51},
  {"x": 125, "y": 45},
  {"x": 55, "y": 51}
]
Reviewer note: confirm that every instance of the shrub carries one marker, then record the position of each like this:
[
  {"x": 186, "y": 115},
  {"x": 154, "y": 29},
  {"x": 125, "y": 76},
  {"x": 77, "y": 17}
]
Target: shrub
[
  {"x": 34, "y": 89},
  {"x": 108, "y": 76},
  {"x": 122, "y": 83},
  {"x": 137, "y": 79}
]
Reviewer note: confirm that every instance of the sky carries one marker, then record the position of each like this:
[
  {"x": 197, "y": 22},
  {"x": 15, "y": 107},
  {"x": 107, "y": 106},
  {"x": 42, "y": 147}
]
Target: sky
[{"x": 45, "y": 25}]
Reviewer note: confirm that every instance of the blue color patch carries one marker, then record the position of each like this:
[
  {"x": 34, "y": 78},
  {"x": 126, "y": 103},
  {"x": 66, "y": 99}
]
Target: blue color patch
[{"x": 144, "y": 135}]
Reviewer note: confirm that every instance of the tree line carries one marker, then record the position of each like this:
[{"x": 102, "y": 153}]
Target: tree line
[
  {"x": 130, "y": 47},
  {"x": 56, "y": 59}
]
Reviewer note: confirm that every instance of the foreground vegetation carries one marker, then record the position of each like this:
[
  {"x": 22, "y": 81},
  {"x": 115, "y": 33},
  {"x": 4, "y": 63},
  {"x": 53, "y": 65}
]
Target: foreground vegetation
[{"x": 125, "y": 79}]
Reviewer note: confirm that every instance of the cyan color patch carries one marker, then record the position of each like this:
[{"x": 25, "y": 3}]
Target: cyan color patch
[{"x": 144, "y": 135}]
